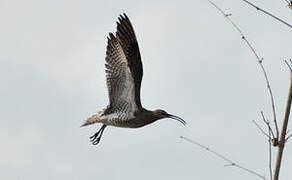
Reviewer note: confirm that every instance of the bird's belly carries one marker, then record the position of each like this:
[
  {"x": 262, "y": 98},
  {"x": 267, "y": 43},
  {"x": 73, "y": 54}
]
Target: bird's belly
[
  {"x": 127, "y": 120},
  {"x": 129, "y": 123}
]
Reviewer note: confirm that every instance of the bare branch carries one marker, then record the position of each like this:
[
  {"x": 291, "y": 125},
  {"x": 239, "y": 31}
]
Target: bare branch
[
  {"x": 289, "y": 3},
  {"x": 230, "y": 162},
  {"x": 268, "y": 124},
  {"x": 273, "y": 16},
  {"x": 259, "y": 62},
  {"x": 283, "y": 139},
  {"x": 258, "y": 126},
  {"x": 288, "y": 138},
  {"x": 264, "y": 118},
  {"x": 270, "y": 153},
  {"x": 289, "y": 66},
  {"x": 269, "y": 141}
]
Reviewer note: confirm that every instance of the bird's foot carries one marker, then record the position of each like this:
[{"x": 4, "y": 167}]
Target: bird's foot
[{"x": 95, "y": 138}]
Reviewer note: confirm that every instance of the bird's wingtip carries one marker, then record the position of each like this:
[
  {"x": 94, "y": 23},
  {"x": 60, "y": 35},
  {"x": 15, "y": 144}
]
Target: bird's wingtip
[
  {"x": 123, "y": 16},
  {"x": 111, "y": 35}
]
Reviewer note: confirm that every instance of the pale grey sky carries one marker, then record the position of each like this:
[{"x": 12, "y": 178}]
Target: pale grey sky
[{"x": 195, "y": 66}]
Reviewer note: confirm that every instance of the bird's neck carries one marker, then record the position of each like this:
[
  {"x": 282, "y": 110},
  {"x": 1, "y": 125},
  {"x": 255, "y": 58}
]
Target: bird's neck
[{"x": 145, "y": 116}]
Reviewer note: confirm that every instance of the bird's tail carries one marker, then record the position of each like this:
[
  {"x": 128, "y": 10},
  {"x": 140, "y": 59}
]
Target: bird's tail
[{"x": 93, "y": 119}]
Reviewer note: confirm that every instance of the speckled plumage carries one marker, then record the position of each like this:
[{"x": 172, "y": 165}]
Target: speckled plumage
[{"x": 124, "y": 73}]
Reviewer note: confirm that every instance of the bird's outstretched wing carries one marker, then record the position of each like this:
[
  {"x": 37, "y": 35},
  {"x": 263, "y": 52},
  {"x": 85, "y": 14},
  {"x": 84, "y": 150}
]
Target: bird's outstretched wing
[
  {"x": 126, "y": 36},
  {"x": 119, "y": 80}
]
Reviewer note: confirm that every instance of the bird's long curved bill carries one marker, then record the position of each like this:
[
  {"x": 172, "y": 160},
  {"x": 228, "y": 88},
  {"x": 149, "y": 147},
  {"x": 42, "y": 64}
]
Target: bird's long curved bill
[{"x": 178, "y": 119}]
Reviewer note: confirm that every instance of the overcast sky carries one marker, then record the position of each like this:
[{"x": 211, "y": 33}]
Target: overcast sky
[{"x": 196, "y": 66}]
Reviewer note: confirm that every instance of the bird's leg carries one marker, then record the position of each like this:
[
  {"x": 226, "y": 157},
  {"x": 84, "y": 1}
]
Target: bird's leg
[{"x": 96, "y": 137}]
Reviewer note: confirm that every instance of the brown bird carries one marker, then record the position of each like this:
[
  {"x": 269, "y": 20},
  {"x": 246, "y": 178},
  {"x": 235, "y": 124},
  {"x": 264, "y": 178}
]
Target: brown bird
[{"x": 124, "y": 73}]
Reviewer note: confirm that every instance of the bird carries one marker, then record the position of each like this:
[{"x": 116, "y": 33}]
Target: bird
[{"x": 124, "y": 73}]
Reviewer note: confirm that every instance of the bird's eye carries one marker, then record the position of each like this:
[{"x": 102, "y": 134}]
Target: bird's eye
[{"x": 163, "y": 112}]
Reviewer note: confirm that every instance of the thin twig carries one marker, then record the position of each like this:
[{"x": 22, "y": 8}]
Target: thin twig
[
  {"x": 258, "y": 126},
  {"x": 282, "y": 140},
  {"x": 288, "y": 138},
  {"x": 270, "y": 153},
  {"x": 264, "y": 118},
  {"x": 273, "y": 16},
  {"x": 259, "y": 60},
  {"x": 288, "y": 65},
  {"x": 289, "y": 3},
  {"x": 230, "y": 162},
  {"x": 268, "y": 124},
  {"x": 269, "y": 140}
]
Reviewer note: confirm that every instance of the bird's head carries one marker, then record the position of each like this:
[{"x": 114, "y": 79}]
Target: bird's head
[{"x": 160, "y": 114}]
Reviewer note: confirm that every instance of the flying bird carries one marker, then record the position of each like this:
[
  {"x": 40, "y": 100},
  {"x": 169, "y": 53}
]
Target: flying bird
[{"x": 124, "y": 73}]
